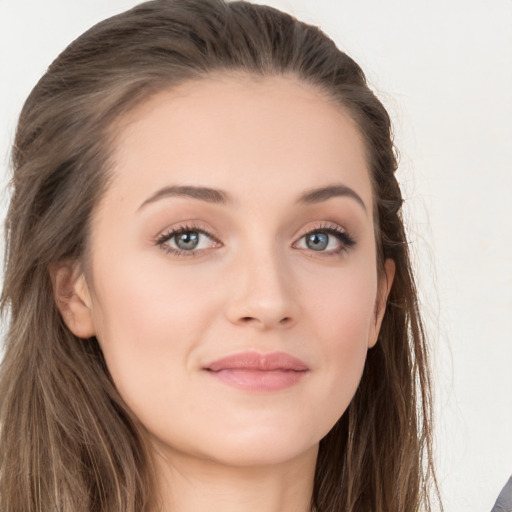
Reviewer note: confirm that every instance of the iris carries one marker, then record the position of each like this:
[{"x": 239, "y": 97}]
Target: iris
[
  {"x": 187, "y": 241},
  {"x": 317, "y": 241}
]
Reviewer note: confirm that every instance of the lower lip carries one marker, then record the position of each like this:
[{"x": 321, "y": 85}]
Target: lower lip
[{"x": 259, "y": 380}]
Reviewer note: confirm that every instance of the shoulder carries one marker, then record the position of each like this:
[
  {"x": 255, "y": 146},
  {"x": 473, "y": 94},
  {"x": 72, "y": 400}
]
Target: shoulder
[{"x": 504, "y": 501}]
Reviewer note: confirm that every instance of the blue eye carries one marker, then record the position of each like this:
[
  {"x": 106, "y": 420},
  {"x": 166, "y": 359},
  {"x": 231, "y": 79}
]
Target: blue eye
[
  {"x": 317, "y": 241},
  {"x": 328, "y": 240},
  {"x": 186, "y": 241}
]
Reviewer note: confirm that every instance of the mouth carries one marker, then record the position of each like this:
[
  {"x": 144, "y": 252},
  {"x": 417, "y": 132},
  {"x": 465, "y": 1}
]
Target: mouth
[{"x": 251, "y": 371}]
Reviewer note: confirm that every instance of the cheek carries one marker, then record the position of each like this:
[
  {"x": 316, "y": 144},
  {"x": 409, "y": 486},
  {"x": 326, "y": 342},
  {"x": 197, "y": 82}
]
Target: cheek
[
  {"x": 341, "y": 304},
  {"x": 148, "y": 322},
  {"x": 342, "y": 318},
  {"x": 151, "y": 321},
  {"x": 150, "y": 301}
]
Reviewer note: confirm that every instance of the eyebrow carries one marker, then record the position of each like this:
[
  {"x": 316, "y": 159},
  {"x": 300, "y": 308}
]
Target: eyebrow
[
  {"x": 216, "y": 196},
  {"x": 210, "y": 195},
  {"x": 318, "y": 195}
]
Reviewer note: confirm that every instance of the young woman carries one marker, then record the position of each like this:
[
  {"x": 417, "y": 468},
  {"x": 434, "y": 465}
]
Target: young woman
[{"x": 211, "y": 300}]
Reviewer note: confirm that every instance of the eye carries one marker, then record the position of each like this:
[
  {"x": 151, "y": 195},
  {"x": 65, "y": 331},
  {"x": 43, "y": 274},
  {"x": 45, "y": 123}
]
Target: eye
[
  {"x": 329, "y": 240},
  {"x": 186, "y": 241},
  {"x": 317, "y": 241}
]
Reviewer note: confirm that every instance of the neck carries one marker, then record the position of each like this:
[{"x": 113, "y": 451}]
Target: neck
[{"x": 189, "y": 484}]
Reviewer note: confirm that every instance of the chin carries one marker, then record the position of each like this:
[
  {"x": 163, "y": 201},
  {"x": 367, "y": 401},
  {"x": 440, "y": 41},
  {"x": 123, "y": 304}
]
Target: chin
[
  {"x": 265, "y": 454},
  {"x": 261, "y": 447}
]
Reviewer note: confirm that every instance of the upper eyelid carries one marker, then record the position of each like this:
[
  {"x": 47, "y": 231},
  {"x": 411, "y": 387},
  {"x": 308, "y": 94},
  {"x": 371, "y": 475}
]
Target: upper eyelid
[
  {"x": 183, "y": 228},
  {"x": 162, "y": 241},
  {"x": 322, "y": 226},
  {"x": 200, "y": 227},
  {"x": 346, "y": 238}
]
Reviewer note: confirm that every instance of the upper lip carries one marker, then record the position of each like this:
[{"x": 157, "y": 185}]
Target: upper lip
[{"x": 258, "y": 362}]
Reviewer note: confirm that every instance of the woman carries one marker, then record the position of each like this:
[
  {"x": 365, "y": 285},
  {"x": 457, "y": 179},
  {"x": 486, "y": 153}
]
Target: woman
[{"x": 210, "y": 295}]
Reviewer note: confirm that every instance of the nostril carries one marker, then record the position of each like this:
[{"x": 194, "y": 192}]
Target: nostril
[{"x": 248, "y": 319}]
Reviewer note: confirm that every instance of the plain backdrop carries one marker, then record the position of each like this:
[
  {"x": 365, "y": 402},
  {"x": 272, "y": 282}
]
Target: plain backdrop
[{"x": 443, "y": 68}]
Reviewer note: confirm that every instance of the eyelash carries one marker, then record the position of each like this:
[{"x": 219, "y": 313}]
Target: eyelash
[
  {"x": 168, "y": 235},
  {"x": 346, "y": 240}
]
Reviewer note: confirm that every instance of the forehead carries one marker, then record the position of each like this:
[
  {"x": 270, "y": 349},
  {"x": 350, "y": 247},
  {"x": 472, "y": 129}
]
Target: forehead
[{"x": 234, "y": 132}]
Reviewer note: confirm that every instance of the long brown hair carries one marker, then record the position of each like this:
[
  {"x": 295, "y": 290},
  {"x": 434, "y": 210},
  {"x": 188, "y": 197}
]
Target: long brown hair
[{"x": 67, "y": 441}]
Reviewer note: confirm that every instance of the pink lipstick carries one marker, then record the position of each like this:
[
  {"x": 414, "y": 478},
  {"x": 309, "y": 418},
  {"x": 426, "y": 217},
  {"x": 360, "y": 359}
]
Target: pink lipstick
[{"x": 252, "y": 371}]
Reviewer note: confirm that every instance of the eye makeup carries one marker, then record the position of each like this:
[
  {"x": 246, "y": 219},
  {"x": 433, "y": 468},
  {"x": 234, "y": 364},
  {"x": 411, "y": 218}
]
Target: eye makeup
[
  {"x": 187, "y": 240},
  {"x": 327, "y": 240},
  {"x": 190, "y": 239}
]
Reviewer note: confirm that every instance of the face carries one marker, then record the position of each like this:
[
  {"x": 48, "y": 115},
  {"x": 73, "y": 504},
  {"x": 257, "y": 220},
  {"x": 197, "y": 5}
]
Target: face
[{"x": 232, "y": 284}]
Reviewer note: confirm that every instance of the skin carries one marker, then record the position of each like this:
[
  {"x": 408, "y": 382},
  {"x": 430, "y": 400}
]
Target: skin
[{"x": 255, "y": 284}]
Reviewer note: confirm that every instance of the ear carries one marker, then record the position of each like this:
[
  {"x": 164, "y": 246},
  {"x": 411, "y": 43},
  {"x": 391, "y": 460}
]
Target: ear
[
  {"x": 384, "y": 286},
  {"x": 73, "y": 298}
]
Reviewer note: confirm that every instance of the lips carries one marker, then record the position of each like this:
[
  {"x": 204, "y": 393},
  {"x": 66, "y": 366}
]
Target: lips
[
  {"x": 252, "y": 371},
  {"x": 262, "y": 362}
]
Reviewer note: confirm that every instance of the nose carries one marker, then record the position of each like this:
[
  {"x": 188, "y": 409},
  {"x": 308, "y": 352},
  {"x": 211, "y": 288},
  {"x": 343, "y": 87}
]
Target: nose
[{"x": 264, "y": 294}]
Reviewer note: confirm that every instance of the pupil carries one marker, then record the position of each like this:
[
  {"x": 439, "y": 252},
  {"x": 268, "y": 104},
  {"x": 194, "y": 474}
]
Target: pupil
[
  {"x": 317, "y": 241},
  {"x": 188, "y": 240}
]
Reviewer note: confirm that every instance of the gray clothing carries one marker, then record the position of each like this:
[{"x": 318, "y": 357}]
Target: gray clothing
[{"x": 504, "y": 501}]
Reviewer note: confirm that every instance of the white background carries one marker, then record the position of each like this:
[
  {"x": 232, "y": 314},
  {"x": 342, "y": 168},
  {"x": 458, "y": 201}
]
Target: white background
[{"x": 444, "y": 70}]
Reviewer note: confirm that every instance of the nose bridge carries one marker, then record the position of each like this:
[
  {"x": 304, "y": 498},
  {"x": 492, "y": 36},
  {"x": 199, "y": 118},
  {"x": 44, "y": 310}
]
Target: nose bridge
[{"x": 263, "y": 291}]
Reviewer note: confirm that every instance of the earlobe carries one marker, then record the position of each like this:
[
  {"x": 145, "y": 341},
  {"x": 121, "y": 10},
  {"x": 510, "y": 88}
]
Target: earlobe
[
  {"x": 384, "y": 287},
  {"x": 73, "y": 298}
]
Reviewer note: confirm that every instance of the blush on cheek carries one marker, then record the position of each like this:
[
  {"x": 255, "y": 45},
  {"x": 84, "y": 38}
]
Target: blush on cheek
[{"x": 344, "y": 330}]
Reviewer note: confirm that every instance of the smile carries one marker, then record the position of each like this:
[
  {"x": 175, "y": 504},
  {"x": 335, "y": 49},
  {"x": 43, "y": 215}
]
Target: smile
[{"x": 251, "y": 371}]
